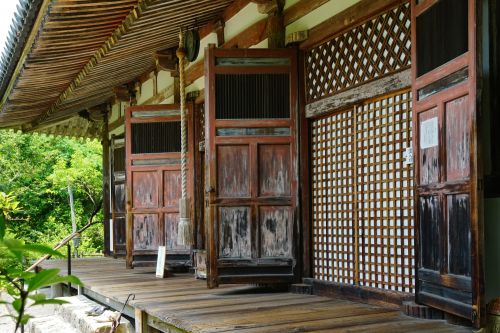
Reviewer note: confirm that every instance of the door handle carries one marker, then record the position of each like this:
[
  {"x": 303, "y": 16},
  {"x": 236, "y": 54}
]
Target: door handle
[{"x": 209, "y": 190}]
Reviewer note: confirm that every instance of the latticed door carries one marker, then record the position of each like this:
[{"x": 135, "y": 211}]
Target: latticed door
[{"x": 362, "y": 195}]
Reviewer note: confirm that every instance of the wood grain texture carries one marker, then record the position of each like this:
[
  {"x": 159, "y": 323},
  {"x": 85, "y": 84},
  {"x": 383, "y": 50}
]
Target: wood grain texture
[
  {"x": 183, "y": 304},
  {"x": 357, "y": 94}
]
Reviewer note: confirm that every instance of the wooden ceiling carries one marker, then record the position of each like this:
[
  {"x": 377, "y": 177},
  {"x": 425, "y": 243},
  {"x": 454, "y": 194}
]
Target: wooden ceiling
[{"x": 84, "y": 48}]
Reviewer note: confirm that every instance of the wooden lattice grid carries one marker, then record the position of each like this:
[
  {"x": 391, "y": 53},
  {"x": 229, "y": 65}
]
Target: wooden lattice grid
[
  {"x": 333, "y": 193},
  {"x": 385, "y": 193},
  {"x": 362, "y": 195},
  {"x": 371, "y": 50}
]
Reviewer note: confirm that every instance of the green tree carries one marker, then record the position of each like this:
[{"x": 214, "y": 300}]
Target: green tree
[{"x": 36, "y": 169}]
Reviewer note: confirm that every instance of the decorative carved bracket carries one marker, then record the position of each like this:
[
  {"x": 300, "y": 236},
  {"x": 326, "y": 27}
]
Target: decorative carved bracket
[
  {"x": 125, "y": 93},
  {"x": 166, "y": 60}
]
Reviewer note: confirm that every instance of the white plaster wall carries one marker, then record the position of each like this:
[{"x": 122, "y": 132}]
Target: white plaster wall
[
  {"x": 147, "y": 91},
  {"x": 319, "y": 15},
  {"x": 239, "y": 22},
  {"x": 164, "y": 80},
  {"x": 115, "y": 113},
  {"x": 117, "y": 131}
]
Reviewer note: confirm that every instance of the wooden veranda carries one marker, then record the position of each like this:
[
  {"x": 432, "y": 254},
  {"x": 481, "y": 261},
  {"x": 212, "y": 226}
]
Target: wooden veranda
[{"x": 183, "y": 304}]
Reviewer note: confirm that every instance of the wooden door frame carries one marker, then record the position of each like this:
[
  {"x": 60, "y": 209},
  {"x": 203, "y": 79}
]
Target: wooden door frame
[
  {"x": 470, "y": 87},
  {"x": 129, "y": 158},
  {"x": 212, "y": 53}
]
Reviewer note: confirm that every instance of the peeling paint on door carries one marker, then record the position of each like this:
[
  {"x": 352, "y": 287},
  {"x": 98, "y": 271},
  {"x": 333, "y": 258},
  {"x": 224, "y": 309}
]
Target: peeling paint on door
[
  {"x": 235, "y": 232},
  {"x": 276, "y": 225}
]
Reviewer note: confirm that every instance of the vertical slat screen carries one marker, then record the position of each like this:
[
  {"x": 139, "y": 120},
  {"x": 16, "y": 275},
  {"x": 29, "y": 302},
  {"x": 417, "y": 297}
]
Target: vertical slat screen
[{"x": 362, "y": 195}]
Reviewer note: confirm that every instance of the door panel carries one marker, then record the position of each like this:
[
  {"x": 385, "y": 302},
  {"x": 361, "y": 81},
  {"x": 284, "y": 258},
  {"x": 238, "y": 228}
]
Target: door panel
[
  {"x": 118, "y": 190},
  {"x": 446, "y": 147},
  {"x": 154, "y": 183},
  {"x": 252, "y": 166}
]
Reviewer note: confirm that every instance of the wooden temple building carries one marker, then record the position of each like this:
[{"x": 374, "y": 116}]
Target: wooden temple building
[{"x": 347, "y": 148}]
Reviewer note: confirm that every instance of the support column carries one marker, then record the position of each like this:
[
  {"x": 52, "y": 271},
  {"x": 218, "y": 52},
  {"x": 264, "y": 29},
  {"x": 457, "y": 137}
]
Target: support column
[{"x": 105, "y": 180}]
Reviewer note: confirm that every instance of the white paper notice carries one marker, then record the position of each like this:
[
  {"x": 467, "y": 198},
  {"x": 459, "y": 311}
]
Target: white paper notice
[
  {"x": 160, "y": 263},
  {"x": 429, "y": 133}
]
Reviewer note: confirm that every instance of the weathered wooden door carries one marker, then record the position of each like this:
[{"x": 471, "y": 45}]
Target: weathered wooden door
[
  {"x": 252, "y": 167},
  {"x": 118, "y": 185},
  {"x": 153, "y": 158},
  {"x": 446, "y": 157}
]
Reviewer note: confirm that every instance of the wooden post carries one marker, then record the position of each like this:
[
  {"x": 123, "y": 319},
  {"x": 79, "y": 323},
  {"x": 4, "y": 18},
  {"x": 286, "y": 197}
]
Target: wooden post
[
  {"x": 141, "y": 321},
  {"x": 275, "y": 28},
  {"x": 105, "y": 179}
]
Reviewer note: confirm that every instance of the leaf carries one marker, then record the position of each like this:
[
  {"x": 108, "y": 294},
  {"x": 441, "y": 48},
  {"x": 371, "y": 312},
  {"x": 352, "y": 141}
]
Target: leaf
[
  {"x": 38, "y": 297},
  {"x": 16, "y": 247},
  {"x": 42, "y": 249},
  {"x": 49, "y": 301},
  {"x": 43, "y": 279},
  {"x": 25, "y": 318},
  {"x": 16, "y": 304}
]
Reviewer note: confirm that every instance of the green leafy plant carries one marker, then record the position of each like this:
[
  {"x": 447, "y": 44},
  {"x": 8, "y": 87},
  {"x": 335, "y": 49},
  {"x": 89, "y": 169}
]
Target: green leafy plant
[{"x": 22, "y": 286}]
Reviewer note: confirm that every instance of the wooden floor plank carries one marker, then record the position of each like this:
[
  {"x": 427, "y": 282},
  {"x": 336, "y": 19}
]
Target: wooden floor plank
[{"x": 186, "y": 303}]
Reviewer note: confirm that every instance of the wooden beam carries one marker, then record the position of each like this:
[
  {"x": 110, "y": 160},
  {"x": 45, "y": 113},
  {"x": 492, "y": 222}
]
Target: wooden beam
[
  {"x": 248, "y": 37},
  {"x": 301, "y": 9},
  {"x": 357, "y": 94},
  {"x": 354, "y": 15},
  {"x": 252, "y": 35}
]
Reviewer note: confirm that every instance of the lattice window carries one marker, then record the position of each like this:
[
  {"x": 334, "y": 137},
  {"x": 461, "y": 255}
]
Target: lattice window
[
  {"x": 362, "y": 195},
  {"x": 333, "y": 189},
  {"x": 371, "y": 50}
]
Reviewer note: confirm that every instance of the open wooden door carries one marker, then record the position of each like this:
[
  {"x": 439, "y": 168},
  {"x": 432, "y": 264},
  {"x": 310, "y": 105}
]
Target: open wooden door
[
  {"x": 153, "y": 160},
  {"x": 251, "y": 155},
  {"x": 448, "y": 191},
  {"x": 118, "y": 185}
]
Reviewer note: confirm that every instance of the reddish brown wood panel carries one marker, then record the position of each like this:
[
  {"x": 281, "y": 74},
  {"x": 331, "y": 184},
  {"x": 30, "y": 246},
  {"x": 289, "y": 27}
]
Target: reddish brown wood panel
[
  {"x": 233, "y": 171},
  {"x": 145, "y": 190},
  {"x": 171, "y": 188},
  {"x": 146, "y": 232},
  {"x": 274, "y": 170},
  {"x": 458, "y": 121}
]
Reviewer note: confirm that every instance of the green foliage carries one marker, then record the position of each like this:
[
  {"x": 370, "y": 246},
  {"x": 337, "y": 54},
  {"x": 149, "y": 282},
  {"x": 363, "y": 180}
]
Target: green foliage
[
  {"x": 19, "y": 284},
  {"x": 37, "y": 170}
]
